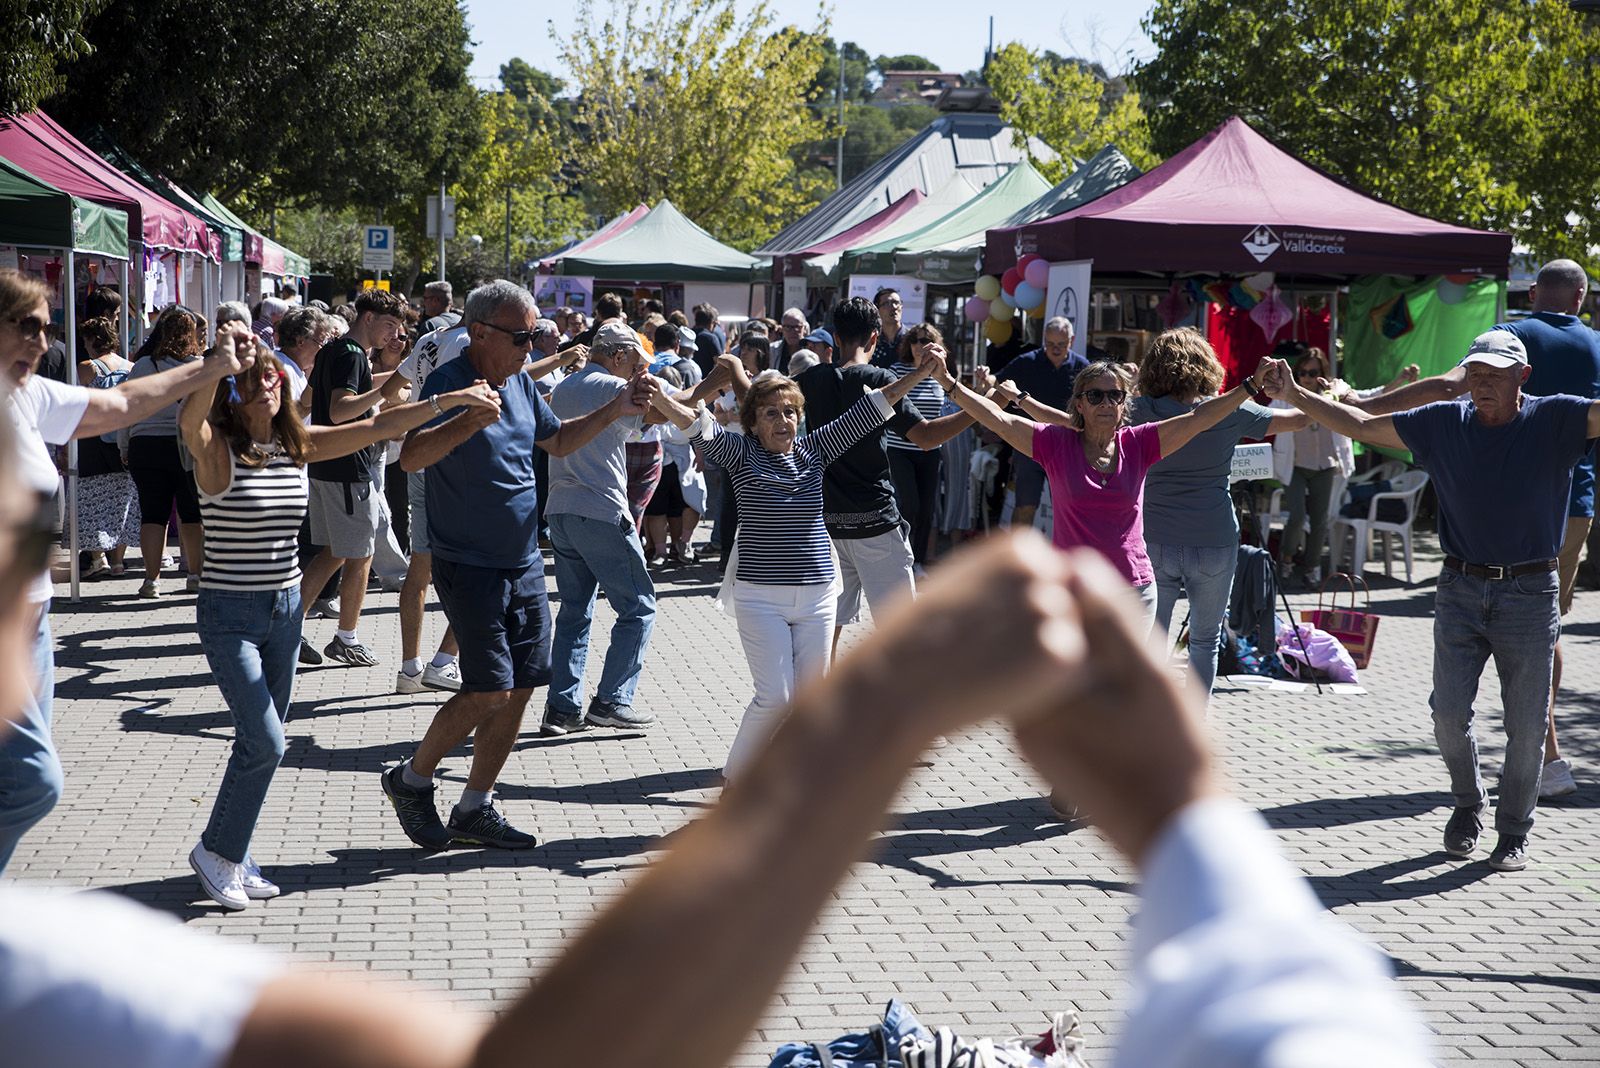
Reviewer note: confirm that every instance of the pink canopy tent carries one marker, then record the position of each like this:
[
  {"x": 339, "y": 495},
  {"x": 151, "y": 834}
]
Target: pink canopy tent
[
  {"x": 38, "y": 145},
  {"x": 1235, "y": 203},
  {"x": 794, "y": 262},
  {"x": 611, "y": 229}
]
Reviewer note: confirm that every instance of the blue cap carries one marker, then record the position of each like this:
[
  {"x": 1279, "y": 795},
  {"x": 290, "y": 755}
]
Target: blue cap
[{"x": 819, "y": 334}]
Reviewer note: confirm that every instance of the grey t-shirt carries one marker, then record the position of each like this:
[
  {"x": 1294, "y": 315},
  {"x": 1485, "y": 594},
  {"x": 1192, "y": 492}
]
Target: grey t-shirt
[
  {"x": 1186, "y": 498},
  {"x": 593, "y": 481}
]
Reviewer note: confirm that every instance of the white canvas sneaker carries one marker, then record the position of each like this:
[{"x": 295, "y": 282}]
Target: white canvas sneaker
[
  {"x": 443, "y": 678},
  {"x": 404, "y": 683},
  {"x": 257, "y": 887},
  {"x": 220, "y": 878}
]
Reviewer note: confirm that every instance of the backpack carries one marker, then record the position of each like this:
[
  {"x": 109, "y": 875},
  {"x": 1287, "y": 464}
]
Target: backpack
[{"x": 106, "y": 378}]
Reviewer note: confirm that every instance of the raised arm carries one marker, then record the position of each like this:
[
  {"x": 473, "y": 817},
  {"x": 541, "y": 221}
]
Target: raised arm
[
  {"x": 1182, "y": 429},
  {"x": 1007, "y": 393},
  {"x": 1015, "y": 430},
  {"x": 576, "y": 433},
  {"x": 1341, "y": 419},
  {"x": 425, "y": 447},
  {"x": 1447, "y": 386},
  {"x": 562, "y": 359},
  {"x": 139, "y": 398},
  {"x": 328, "y": 442},
  {"x": 833, "y": 439}
]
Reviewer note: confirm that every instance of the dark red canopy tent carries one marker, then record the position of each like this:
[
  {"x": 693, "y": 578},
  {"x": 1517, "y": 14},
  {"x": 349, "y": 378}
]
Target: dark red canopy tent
[{"x": 1235, "y": 203}]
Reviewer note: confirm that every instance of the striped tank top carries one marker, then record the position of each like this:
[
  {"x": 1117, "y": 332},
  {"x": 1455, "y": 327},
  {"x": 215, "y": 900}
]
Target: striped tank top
[{"x": 252, "y": 529}]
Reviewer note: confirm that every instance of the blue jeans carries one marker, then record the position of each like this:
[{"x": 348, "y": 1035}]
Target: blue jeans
[
  {"x": 1516, "y": 621},
  {"x": 591, "y": 554},
  {"x": 1205, "y": 574},
  {"x": 251, "y": 640},
  {"x": 30, "y": 771}
]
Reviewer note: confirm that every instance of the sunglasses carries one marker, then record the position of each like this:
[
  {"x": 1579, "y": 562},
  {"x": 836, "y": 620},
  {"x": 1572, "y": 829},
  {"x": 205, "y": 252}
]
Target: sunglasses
[
  {"x": 35, "y": 536},
  {"x": 29, "y": 326},
  {"x": 1097, "y": 397},
  {"x": 520, "y": 338}
]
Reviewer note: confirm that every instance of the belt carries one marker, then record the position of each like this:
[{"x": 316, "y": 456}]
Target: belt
[{"x": 1498, "y": 572}]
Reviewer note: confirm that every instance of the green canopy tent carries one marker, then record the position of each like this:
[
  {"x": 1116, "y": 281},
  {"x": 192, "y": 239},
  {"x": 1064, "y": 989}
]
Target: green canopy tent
[
  {"x": 268, "y": 256},
  {"x": 963, "y": 227},
  {"x": 663, "y": 246},
  {"x": 832, "y": 268}
]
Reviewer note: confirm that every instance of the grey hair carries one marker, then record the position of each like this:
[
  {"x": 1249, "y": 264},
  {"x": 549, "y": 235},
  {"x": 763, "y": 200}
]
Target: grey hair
[
  {"x": 793, "y": 311},
  {"x": 485, "y": 301},
  {"x": 439, "y": 288},
  {"x": 1565, "y": 276},
  {"x": 271, "y": 306},
  {"x": 233, "y": 311},
  {"x": 1058, "y": 323},
  {"x": 546, "y": 328}
]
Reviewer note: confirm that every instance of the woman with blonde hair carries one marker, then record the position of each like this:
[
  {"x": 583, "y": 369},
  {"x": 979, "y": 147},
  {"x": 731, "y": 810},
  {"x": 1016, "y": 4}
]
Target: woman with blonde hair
[{"x": 250, "y": 452}]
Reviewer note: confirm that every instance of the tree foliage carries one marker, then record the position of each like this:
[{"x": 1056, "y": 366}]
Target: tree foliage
[
  {"x": 40, "y": 36},
  {"x": 1469, "y": 111},
  {"x": 858, "y": 71},
  {"x": 1069, "y": 106},
  {"x": 909, "y": 61},
  {"x": 360, "y": 103},
  {"x": 690, "y": 100}
]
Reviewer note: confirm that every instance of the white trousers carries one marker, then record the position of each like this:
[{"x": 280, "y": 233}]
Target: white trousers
[{"x": 787, "y": 633}]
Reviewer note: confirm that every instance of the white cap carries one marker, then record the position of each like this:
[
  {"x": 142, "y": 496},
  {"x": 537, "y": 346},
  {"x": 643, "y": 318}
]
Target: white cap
[{"x": 1497, "y": 348}]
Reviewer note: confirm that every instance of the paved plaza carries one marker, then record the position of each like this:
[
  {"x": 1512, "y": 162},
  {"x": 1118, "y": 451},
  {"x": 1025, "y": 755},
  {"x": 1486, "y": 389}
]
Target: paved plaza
[{"x": 977, "y": 908}]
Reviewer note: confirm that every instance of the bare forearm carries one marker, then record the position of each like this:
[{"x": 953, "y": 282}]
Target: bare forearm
[
  {"x": 736, "y": 895},
  {"x": 576, "y": 433},
  {"x": 424, "y": 448},
  {"x": 137, "y": 399},
  {"x": 392, "y": 422},
  {"x": 896, "y": 391},
  {"x": 673, "y": 410},
  {"x": 1341, "y": 419},
  {"x": 1041, "y": 412},
  {"x": 354, "y": 405},
  {"x": 1427, "y": 391},
  {"x": 935, "y": 432},
  {"x": 1018, "y": 433}
]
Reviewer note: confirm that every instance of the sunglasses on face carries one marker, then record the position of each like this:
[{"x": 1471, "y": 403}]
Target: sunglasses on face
[
  {"x": 29, "y": 326},
  {"x": 1097, "y": 397},
  {"x": 520, "y": 338}
]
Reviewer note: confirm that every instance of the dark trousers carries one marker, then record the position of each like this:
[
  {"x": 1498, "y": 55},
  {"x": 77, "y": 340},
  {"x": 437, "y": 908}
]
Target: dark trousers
[
  {"x": 399, "y": 501},
  {"x": 916, "y": 491}
]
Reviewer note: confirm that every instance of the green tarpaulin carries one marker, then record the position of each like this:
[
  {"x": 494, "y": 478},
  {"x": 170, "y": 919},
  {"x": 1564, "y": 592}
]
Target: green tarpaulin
[
  {"x": 946, "y": 250},
  {"x": 664, "y": 246},
  {"x": 35, "y": 214},
  {"x": 255, "y": 243},
  {"x": 231, "y": 233}
]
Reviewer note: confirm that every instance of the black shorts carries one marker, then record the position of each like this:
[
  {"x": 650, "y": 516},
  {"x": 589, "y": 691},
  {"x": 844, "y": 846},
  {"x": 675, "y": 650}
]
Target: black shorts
[
  {"x": 501, "y": 619},
  {"x": 668, "y": 497},
  {"x": 162, "y": 482}
]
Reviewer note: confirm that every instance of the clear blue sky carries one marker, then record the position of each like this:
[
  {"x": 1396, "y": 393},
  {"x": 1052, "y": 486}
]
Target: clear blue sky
[{"x": 952, "y": 33}]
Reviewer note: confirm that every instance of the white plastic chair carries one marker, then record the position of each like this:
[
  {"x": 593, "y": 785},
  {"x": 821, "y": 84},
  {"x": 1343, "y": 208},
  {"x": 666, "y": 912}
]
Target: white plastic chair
[
  {"x": 1407, "y": 488},
  {"x": 1276, "y": 515}
]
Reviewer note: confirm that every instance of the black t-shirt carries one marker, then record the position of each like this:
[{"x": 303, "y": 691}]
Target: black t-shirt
[
  {"x": 857, "y": 495},
  {"x": 342, "y": 369},
  {"x": 53, "y": 364},
  {"x": 708, "y": 346}
]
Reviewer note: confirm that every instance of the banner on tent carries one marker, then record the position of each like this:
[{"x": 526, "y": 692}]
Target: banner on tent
[
  {"x": 794, "y": 291},
  {"x": 913, "y": 292},
  {"x": 574, "y": 291},
  {"x": 1067, "y": 295}
]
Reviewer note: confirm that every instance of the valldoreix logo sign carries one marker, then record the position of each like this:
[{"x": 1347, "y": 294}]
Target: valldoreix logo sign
[{"x": 1261, "y": 243}]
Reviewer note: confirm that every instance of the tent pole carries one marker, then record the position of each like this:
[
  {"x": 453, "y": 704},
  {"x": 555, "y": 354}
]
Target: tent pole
[
  {"x": 127, "y": 311},
  {"x": 1333, "y": 332},
  {"x": 71, "y": 303}
]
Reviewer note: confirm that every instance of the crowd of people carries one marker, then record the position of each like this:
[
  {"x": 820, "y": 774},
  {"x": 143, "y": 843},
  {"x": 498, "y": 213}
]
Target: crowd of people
[{"x": 299, "y": 448}]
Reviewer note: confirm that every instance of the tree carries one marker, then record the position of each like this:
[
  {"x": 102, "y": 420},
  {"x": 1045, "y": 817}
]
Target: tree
[
  {"x": 905, "y": 62},
  {"x": 857, "y": 72},
  {"x": 40, "y": 37},
  {"x": 1462, "y": 111},
  {"x": 691, "y": 101},
  {"x": 1067, "y": 106}
]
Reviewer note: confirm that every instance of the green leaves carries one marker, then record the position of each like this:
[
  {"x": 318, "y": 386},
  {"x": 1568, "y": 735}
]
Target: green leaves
[{"x": 40, "y": 36}]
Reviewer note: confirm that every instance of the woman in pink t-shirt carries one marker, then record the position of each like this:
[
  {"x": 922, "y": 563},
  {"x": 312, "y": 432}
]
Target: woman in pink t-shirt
[{"x": 1096, "y": 463}]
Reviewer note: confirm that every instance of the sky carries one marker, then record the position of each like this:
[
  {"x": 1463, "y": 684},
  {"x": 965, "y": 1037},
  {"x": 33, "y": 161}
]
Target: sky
[{"x": 952, "y": 33}]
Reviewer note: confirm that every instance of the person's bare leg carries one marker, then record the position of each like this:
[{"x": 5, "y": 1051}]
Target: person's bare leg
[
  {"x": 413, "y": 603},
  {"x": 1022, "y": 516},
  {"x": 686, "y": 526},
  {"x": 456, "y": 718},
  {"x": 152, "y": 546},
  {"x": 448, "y": 644},
  {"x": 316, "y": 575},
  {"x": 114, "y": 557},
  {"x": 191, "y": 536},
  {"x": 353, "y": 591},
  {"x": 492, "y": 741},
  {"x": 655, "y": 535},
  {"x": 1552, "y": 748}
]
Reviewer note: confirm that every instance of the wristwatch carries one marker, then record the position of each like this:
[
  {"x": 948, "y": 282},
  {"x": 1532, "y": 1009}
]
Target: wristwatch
[
  {"x": 1017, "y": 404},
  {"x": 434, "y": 401}
]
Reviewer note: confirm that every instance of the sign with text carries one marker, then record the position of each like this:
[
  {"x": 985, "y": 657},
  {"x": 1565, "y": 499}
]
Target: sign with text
[
  {"x": 1250, "y": 463},
  {"x": 913, "y": 293},
  {"x": 553, "y": 290},
  {"x": 377, "y": 248}
]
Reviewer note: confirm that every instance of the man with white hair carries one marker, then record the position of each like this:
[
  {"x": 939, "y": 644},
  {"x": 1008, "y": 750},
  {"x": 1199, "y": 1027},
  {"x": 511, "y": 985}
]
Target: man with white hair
[
  {"x": 1046, "y": 374},
  {"x": 268, "y": 312},
  {"x": 794, "y": 328},
  {"x": 482, "y": 497},
  {"x": 436, "y": 311}
]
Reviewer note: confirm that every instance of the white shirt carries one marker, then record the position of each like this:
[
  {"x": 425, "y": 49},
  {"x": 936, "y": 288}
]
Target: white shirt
[
  {"x": 44, "y": 412},
  {"x": 298, "y": 380},
  {"x": 432, "y": 351},
  {"x": 93, "y": 979}
]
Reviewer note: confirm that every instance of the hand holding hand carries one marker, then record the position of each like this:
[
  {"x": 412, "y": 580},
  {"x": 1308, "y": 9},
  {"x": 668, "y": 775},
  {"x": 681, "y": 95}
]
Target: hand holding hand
[
  {"x": 642, "y": 388},
  {"x": 478, "y": 395},
  {"x": 1276, "y": 378},
  {"x": 983, "y": 381},
  {"x": 235, "y": 350},
  {"x": 933, "y": 359},
  {"x": 574, "y": 356}
]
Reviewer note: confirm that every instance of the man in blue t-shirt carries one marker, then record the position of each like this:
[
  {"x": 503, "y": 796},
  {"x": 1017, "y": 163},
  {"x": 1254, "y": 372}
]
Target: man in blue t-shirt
[
  {"x": 1046, "y": 374},
  {"x": 1565, "y": 356},
  {"x": 1501, "y": 463},
  {"x": 482, "y": 499}
]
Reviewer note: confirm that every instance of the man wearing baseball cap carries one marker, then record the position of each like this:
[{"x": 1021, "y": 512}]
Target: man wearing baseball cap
[{"x": 1501, "y": 462}]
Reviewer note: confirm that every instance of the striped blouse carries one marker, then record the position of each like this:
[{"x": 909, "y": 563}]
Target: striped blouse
[
  {"x": 252, "y": 528},
  {"x": 781, "y": 537},
  {"x": 926, "y": 397}
]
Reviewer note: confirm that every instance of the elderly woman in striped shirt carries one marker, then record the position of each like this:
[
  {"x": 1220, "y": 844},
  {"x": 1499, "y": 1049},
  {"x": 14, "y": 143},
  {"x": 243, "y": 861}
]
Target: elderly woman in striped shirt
[
  {"x": 250, "y": 451},
  {"x": 782, "y": 569}
]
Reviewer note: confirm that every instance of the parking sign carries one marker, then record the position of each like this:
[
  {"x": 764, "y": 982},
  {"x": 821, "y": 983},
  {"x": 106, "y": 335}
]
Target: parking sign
[{"x": 377, "y": 250}]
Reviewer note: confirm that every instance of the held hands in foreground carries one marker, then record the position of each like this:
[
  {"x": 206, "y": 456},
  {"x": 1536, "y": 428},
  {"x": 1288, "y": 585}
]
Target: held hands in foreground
[
  {"x": 933, "y": 366},
  {"x": 1267, "y": 372},
  {"x": 643, "y": 389},
  {"x": 236, "y": 350},
  {"x": 480, "y": 396}
]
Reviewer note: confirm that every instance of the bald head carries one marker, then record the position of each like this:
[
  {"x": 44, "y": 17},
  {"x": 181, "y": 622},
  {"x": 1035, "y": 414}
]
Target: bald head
[{"x": 1559, "y": 287}]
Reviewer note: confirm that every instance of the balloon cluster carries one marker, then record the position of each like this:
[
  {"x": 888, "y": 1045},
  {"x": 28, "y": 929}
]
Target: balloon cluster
[{"x": 996, "y": 301}]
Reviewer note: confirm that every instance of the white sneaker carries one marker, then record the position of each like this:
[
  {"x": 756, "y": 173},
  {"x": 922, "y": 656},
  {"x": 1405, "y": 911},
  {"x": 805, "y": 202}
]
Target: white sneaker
[
  {"x": 1557, "y": 780},
  {"x": 404, "y": 683},
  {"x": 442, "y": 678},
  {"x": 257, "y": 887},
  {"x": 220, "y": 878}
]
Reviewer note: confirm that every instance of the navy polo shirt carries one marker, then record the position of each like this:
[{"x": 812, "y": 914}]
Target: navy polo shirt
[{"x": 1042, "y": 380}]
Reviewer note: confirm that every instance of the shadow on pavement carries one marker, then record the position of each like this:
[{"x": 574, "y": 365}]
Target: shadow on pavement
[
  {"x": 1375, "y": 883},
  {"x": 1404, "y": 969}
]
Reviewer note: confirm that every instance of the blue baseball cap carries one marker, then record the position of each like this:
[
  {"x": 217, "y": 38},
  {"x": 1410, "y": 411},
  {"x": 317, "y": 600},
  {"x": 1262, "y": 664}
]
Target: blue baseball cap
[{"x": 819, "y": 334}]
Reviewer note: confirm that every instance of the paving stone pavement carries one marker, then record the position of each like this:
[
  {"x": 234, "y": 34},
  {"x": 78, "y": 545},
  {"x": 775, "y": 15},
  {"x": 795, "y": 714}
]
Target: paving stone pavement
[{"x": 978, "y": 908}]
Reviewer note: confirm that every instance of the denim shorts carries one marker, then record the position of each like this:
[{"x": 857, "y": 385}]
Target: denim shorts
[
  {"x": 501, "y": 619},
  {"x": 417, "y": 500}
]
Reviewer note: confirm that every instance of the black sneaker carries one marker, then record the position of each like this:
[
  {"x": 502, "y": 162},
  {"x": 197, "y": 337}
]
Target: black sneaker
[
  {"x": 353, "y": 653},
  {"x": 309, "y": 655},
  {"x": 1510, "y": 853},
  {"x": 485, "y": 826},
  {"x": 1461, "y": 833},
  {"x": 556, "y": 723},
  {"x": 606, "y": 714},
  {"x": 414, "y": 805}
]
